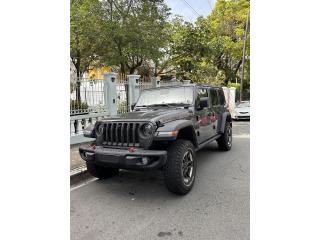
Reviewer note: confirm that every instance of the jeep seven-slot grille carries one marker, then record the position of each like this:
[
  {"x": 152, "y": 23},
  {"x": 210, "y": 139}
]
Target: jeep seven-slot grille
[{"x": 123, "y": 134}]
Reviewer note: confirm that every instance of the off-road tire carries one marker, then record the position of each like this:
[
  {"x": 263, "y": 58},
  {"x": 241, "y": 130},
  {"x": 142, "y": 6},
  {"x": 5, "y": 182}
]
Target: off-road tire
[
  {"x": 223, "y": 141},
  {"x": 101, "y": 172},
  {"x": 173, "y": 172}
]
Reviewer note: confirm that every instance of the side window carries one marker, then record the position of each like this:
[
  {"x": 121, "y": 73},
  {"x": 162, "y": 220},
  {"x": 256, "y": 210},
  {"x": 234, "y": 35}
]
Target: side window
[
  {"x": 222, "y": 99},
  {"x": 202, "y": 93},
  {"x": 214, "y": 97}
]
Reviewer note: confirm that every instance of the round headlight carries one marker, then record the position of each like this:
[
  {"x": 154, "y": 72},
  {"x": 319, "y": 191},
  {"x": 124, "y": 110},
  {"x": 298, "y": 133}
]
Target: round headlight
[
  {"x": 147, "y": 129},
  {"x": 146, "y": 132}
]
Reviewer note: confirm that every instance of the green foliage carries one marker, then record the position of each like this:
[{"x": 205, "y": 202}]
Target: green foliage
[
  {"x": 122, "y": 106},
  {"x": 228, "y": 21},
  {"x": 188, "y": 51},
  {"x": 85, "y": 29},
  {"x": 136, "y": 30},
  {"x": 123, "y": 33},
  {"x": 78, "y": 105},
  {"x": 136, "y": 36},
  {"x": 210, "y": 50}
]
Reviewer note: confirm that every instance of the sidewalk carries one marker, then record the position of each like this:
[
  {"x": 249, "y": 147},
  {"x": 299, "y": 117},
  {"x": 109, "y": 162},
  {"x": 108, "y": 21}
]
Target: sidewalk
[{"x": 77, "y": 165}]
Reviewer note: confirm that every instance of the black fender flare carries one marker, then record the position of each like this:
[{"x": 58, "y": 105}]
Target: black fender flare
[
  {"x": 175, "y": 125},
  {"x": 226, "y": 116},
  {"x": 178, "y": 125}
]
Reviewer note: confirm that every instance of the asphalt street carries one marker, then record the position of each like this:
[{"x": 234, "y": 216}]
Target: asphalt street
[{"x": 136, "y": 205}]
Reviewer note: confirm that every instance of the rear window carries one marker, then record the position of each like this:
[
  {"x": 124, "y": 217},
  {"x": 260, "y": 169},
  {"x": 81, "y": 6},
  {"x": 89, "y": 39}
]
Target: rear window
[
  {"x": 222, "y": 100},
  {"x": 202, "y": 93},
  {"x": 214, "y": 97}
]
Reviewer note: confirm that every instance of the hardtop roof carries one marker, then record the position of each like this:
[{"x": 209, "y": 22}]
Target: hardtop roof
[{"x": 183, "y": 85}]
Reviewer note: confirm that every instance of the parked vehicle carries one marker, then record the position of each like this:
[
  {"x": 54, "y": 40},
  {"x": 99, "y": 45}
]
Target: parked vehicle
[
  {"x": 166, "y": 128},
  {"x": 242, "y": 111}
]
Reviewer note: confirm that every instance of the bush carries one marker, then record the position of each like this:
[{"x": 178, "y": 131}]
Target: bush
[
  {"x": 76, "y": 104},
  {"x": 122, "y": 107}
]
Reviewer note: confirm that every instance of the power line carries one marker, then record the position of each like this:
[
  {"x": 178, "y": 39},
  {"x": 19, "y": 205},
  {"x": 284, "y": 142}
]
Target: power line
[
  {"x": 192, "y": 8},
  {"x": 209, "y": 4}
]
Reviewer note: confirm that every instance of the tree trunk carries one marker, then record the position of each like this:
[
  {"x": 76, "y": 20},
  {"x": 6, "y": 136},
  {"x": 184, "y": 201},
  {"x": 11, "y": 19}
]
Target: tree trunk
[
  {"x": 132, "y": 70},
  {"x": 122, "y": 68},
  {"x": 243, "y": 58},
  {"x": 78, "y": 96}
]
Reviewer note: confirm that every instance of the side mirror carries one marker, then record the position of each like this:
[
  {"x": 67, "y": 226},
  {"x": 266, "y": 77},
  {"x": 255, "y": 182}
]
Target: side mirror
[
  {"x": 89, "y": 131},
  {"x": 132, "y": 106}
]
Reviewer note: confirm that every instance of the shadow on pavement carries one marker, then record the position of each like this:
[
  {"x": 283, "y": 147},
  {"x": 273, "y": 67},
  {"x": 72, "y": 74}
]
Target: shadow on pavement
[{"x": 150, "y": 184}]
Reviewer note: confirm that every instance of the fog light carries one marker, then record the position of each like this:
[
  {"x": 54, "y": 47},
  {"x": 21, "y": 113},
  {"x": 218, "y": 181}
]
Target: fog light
[
  {"x": 145, "y": 160},
  {"x": 88, "y": 154}
]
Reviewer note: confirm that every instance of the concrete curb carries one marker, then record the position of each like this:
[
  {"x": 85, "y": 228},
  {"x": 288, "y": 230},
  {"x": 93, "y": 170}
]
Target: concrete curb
[{"x": 79, "y": 174}]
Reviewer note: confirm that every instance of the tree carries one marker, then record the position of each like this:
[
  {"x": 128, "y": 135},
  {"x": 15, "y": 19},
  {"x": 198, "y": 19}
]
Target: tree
[
  {"x": 191, "y": 52},
  {"x": 85, "y": 39},
  {"x": 228, "y": 21},
  {"x": 210, "y": 50},
  {"x": 137, "y": 30},
  {"x": 136, "y": 35},
  {"x": 173, "y": 53}
]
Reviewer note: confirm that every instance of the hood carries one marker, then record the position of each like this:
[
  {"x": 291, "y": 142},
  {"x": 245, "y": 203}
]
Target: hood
[
  {"x": 161, "y": 114},
  {"x": 242, "y": 109}
]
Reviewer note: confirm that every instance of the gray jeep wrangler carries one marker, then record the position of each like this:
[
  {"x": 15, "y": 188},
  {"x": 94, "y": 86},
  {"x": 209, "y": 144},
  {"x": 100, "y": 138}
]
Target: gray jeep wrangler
[{"x": 163, "y": 131}]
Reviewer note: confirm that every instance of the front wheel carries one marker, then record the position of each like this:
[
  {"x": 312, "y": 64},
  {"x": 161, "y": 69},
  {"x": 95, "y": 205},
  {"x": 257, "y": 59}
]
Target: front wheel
[
  {"x": 180, "y": 169},
  {"x": 101, "y": 172},
  {"x": 225, "y": 141}
]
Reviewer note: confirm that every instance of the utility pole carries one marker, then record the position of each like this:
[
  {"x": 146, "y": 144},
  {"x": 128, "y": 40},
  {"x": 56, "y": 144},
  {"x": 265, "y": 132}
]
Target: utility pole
[{"x": 244, "y": 57}]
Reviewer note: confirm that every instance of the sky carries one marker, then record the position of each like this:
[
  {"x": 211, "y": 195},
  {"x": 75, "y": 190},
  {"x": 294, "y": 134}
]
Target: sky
[{"x": 201, "y": 7}]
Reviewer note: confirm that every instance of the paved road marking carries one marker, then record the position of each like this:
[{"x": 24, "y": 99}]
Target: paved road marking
[
  {"x": 240, "y": 124},
  {"x": 83, "y": 184},
  {"x": 241, "y": 136}
]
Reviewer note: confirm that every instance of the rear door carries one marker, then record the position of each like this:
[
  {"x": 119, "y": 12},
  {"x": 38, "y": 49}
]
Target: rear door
[
  {"x": 216, "y": 110},
  {"x": 221, "y": 105},
  {"x": 204, "y": 122}
]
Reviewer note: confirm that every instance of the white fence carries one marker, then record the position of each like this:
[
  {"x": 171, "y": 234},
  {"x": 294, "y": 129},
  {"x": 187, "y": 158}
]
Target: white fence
[
  {"x": 111, "y": 96},
  {"x": 97, "y": 98}
]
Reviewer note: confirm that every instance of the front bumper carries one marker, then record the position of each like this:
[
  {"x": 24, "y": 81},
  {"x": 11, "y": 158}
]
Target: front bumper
[
  {"x": 121, "y": 158},
  {"x": 241, "y": 116}
]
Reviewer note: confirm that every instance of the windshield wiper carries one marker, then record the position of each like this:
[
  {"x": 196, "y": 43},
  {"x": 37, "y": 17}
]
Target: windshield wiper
[
  {"x": 179, "y": 104},
  {"x": 142, "y": 106},
  {"x": 164, "y": 105},
  {"x": 159, "y": 105},
  {"x": 154, "y": 105}
]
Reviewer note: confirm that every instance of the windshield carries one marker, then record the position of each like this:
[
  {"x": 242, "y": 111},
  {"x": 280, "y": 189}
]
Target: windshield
[
  {"x": 244, "y": 104},
  {"x": 174, "y": 95}
]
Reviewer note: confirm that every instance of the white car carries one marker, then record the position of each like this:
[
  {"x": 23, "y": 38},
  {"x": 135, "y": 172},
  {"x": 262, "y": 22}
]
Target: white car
[{"x": 242, "y": 111}]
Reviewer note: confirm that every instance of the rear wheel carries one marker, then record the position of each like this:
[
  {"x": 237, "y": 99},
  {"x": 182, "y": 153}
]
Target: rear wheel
[
  {"x": 225, "y": 141},
  {"x": 101, "y": 172},
  {"x": 180, "y": 169}
]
